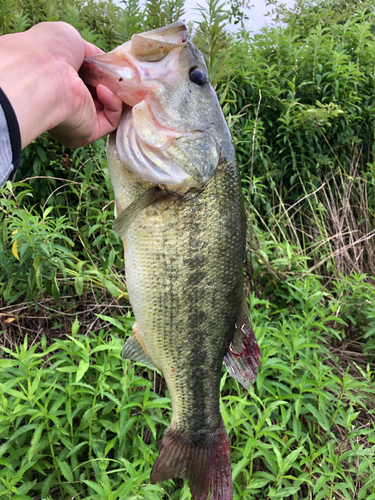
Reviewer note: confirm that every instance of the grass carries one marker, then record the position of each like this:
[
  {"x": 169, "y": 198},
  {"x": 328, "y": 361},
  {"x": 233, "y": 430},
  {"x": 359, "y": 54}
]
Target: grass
[{"x": 79, "y": 422}]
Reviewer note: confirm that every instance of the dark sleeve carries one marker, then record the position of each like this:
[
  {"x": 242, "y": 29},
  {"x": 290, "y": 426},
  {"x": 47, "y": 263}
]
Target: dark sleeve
[{"x": 10, "y": 140}]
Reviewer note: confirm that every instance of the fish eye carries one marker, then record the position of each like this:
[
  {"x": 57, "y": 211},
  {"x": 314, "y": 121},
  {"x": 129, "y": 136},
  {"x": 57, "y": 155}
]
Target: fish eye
[{"x": 198, "y": 76}]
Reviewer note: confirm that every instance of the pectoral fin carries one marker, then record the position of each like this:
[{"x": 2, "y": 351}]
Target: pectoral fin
[
  {"x": 127, "y": 216},
  {"x": 242, "y": 358},
  {"x": 133, "y": 350}
]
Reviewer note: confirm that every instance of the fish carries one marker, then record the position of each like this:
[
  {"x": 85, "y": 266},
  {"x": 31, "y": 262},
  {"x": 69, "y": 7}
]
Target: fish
[{"x": 180, "y": 213}]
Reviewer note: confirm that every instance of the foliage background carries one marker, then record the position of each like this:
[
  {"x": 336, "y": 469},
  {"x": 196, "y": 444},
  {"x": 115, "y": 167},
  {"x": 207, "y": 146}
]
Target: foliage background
[{"x": 76, "y": 421}]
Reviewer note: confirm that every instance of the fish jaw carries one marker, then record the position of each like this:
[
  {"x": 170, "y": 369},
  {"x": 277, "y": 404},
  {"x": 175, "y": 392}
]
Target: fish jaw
[
  {"x": 117, "y": 71},
  {"x": 146, "y": 148},
  {"x": 154, "y": 45},
  {"x": 130, "y": 79}
]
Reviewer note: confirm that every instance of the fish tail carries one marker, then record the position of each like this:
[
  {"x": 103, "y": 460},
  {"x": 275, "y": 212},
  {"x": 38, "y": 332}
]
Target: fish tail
[{"x": 205, "y": 463}]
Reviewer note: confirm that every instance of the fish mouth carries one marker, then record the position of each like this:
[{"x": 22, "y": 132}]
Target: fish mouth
[
  {"x": 117, "y": 72},
  {"x": 125, "y": 69},
  {"x": 143, "y": 140}
]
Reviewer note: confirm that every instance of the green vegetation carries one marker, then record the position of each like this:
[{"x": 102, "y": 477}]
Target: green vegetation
[{"x": 76, "y": 421}]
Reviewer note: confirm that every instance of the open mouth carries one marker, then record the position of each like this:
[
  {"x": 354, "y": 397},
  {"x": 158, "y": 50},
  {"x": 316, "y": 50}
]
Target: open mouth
[{"x": 123, "y": 69}]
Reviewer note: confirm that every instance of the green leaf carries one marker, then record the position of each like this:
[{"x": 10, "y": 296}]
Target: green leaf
[
  {"x": 322, "y": 494},
  {"x": 111, "y": 258},
  {"x": 76, "y": 449},
  {"x": 110, "y": 445},
  {"x": 25, "y": 488},
  {"x": 103, "y": 347},
  {"x": 256, "y": 484},
  {"x": 47, "y": 212},
  {"x": 5, "y": 463},
  {"x": 75, "y": 327},
  {"x": 82, "y": 369},
  {"x": 35, "y": 440},
  {"x": 7, "y": 363},
  {"x": 321, "y": 481},
  {"x": 113, "y": 290},
  {"x": 320, "y": 417},
  {"x": 238, "y": 467},
  {"x": 66, "y": 471},
  {"x": 298, "y": 405},
  {"x": 47, "y": 483},
  {"x": 68, "y": 411},
  {"x": 113, "y": 321},
  {"x": 59, "y": 402},
  {"x": 67, "y": 369},
  {"x": 38, "y": 266},
  {"x": 78, "y": 283},
  {"x": 151, "y": 424},
  {"x": 289, "y": 460},
  {"x": 284, "y": 492},
  {"x": 55, "y": 289},
  {"x": 96, "y": 487}
]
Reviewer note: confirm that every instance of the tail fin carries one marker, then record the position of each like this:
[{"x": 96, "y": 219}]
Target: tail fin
[{"x": 205, "y": 463}]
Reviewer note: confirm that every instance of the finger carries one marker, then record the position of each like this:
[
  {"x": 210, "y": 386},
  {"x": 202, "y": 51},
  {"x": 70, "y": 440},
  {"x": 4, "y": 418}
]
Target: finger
[
  {"x": 98, "y": 105},
  {"x": 91, "y": 49},
  {"x": 109, "y": 116},
  {"x": 108, "y": 98}
]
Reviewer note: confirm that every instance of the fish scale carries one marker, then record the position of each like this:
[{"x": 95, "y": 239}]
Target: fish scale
[
  {"x": 181, "y": 217},
  {"x": 196, "y": 291}
]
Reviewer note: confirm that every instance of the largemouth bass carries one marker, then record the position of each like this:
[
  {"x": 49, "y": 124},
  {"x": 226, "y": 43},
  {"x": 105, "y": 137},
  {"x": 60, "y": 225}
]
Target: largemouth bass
[{"x": 181, "y": 216}]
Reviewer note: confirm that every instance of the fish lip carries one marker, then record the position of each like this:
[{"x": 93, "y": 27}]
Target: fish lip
[{"x": 102, "y": 69}]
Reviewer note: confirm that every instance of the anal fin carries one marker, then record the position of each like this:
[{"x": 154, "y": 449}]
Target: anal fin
[
  {"x": 242, "y": 358},
  {"x": 134, "y": 350}
]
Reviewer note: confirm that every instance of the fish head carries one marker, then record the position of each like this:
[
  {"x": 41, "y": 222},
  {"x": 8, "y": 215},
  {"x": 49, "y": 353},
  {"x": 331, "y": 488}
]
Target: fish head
[{"x": 172, "y": 129}]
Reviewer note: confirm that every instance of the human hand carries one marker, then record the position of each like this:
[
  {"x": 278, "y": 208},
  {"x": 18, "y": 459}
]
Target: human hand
[{"x": 39, "y": 74}]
